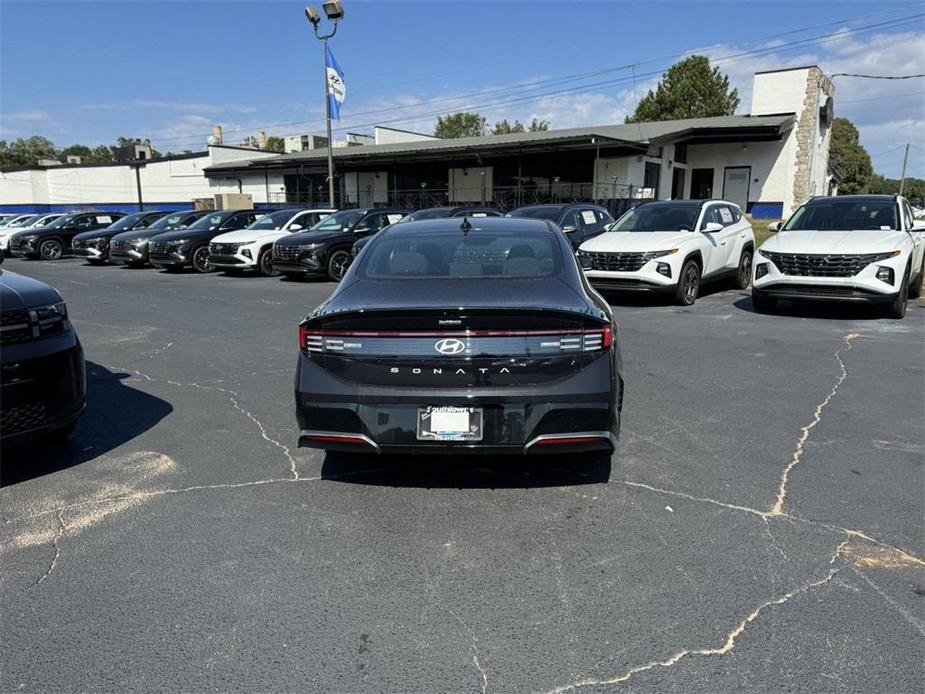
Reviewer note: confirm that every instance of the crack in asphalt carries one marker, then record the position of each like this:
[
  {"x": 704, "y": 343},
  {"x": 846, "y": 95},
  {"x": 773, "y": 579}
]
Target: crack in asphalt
[
  {"x": 59, "y": 534},
  {"x": 777, "y": 509},
  {"x": 725, "y": 647}
]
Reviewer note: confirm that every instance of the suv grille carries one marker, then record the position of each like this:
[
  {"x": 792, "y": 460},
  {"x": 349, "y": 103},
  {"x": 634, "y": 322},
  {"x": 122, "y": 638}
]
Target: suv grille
[
  {"x": 17, "y": 419},
  {"x": 17, "y": 243},
  {"x": 120, "y": 245},
  {"x": 286, "y": 252},
  {"x": 223, "y": 248},
  {"x": 621, "y": 262},
  {"x": 160, "y": 248},
  {"x": 15, "y": 327},
  {"x": 820, "y": 265}
]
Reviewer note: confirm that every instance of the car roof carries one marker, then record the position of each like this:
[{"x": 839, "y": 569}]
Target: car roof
[{"x": 853, "y": 198}]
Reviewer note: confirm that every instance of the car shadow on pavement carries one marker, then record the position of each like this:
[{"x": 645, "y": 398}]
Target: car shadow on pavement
[
  {"x": 817, "y": 309},
  {"x": 643, "y": 298},
  {"x": 467, "y": 472},
  {"x": 116, "y": 413}
]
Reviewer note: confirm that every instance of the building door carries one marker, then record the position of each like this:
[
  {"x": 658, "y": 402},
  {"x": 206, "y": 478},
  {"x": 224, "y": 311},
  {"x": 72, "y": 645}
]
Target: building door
[
  {"x": 735, "y": 185},
  {"x": 677, "y": 183},
  {"x": 701, "y": 184},
  {"x": 650, "y": 177}
]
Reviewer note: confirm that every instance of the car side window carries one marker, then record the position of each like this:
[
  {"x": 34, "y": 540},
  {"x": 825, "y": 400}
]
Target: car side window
[
  {"x": 588, "y": 218},
  {"x": 735, "y": 212},
  {"x": 238, "y": 221},
  {"x": 710, "y": 215},
  {"x": 727, "y": 215},
  {"x": 571, "y": 220},
  {"x": 373, "y": 222}
]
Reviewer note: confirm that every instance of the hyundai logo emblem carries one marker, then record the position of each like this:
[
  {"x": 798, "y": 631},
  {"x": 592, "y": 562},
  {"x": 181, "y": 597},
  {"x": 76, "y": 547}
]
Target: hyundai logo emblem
[{"x": 450, "y": 346}]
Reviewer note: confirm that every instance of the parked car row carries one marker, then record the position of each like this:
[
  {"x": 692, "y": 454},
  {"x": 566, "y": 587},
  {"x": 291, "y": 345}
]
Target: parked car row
[{"x": 854, "y": 248}]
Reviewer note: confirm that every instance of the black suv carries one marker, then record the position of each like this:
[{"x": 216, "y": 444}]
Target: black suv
[
  {"x": 131, "y": 247},
  {"x": 43, "y": 383},
  {"x": 325, "y": 248},
  {"x": 52, "y": 241},
  {"x": 94, "y": 245},
  {"x": 189, "y": 247},
  {"x": 579, "y": 221}
]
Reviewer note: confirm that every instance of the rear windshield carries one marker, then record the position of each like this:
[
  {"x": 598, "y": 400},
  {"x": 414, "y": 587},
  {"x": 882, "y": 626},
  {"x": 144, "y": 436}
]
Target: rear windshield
[
  {"x": 453, "y": 255},
  {"x": 845, "y": 216},
  {"x": 432, "y": 213},
  {"x": 658, "y": 217}
]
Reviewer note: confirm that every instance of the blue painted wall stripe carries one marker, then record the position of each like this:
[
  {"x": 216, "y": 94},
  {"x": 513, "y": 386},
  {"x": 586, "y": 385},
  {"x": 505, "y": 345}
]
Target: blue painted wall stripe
[
  {"x": 766, "y": 210},
  {"x": 109, "y": 207}
]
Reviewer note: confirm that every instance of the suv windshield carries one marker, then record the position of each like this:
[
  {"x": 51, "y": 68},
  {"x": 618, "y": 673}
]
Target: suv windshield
[
  {"x": 61, "y": 221},
  {"x": 847, "y": 215},
  {"x": 128, "y": 221},
  {"x": 550, "y": 213},
  {"x": 658, "y": 217},
  {"x": 210, "y": 221},
  {"x": 276, "y": 220},
  {"x": 451, "y": 255},
  {"x": 339, "y": 221},
  {"x": 168, "y": 222}
]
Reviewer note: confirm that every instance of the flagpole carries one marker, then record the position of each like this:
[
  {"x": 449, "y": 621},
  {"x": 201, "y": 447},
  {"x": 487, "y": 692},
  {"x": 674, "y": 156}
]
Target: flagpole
[{"x": 327, "y": 108}]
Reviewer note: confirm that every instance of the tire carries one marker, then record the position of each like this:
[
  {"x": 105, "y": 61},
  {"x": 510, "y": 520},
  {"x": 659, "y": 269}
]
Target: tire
[
  {"x": 338, "y": 262},
  {"x": 265, "y": 264},
  {"x": 744, "y": 273},
  {"x": 762, "y": 303},
  {"x": 897, "y": 309},
  {"x": 915, "y": 289},
  {"x": 51, "y": 249},
  {"x": 688, "y": 288},
  {"x": 200, "y": 260}
]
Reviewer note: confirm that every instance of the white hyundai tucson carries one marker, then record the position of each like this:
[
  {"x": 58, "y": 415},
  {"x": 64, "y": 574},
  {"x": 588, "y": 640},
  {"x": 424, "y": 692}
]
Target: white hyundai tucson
[
  {"x": 673, "y": 247},
  {"x": 252, "y": 248},
  {"x": 860, "y": 248}
]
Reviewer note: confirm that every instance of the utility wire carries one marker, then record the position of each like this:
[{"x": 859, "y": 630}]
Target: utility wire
[{"x": 877, "y": 77}]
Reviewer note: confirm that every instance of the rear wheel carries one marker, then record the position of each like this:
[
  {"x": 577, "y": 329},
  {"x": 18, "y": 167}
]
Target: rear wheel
[
  {"x": 897, "y": 309},
  {"x": 688, "y": 288},
  {"x": 200, "y": 260},
  {"x": 762, "y": 303},
  {"x": 265, "y": 264},
  {"x": 338, "y": 262},
  {"x": 52, "y": 249},
  {"x": 744, "y": 273}
]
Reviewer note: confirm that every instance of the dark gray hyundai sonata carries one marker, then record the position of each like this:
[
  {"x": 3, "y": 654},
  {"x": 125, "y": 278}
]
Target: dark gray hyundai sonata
[{"x": 461, "y": 336}]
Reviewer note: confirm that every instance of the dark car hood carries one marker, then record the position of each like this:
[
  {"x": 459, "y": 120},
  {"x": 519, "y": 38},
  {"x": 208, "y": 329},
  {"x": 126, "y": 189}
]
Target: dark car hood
[
  {"x": 180, "y": 234},
  {"x": 542, "y": 294},
  {"x": 301, "y": 237},
  {"x": 97, "y": 234},
  {"x": 135, "y": 234},
  {"x": 17, "y": 292}
]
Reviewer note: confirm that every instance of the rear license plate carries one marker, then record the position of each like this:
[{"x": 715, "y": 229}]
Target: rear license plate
[{"x": 450, "y": 424}]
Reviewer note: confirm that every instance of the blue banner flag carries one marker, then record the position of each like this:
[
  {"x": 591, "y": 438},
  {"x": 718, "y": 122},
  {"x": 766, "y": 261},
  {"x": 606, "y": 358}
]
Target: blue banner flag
[{"x": 337, "y": 90}]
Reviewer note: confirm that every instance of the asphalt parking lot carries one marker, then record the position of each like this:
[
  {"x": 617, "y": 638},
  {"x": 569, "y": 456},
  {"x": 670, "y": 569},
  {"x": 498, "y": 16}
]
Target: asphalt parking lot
[{"x": 758, "y": 529}]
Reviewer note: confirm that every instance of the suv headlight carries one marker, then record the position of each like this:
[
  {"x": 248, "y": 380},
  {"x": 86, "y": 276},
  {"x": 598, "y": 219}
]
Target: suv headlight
[
  {"x": 27, "y": 240},
  {"x": 50, "y": 319},
  {"x": 651, "y": 255}
]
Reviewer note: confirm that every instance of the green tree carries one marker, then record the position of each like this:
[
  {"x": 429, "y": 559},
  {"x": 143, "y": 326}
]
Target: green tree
[
  {"x": 26, "y": 152},
  {"x": 690, "y": 89},
  {"x": 914, "y": 189},
  {"x": 537, "y": 125},
  {"x": 123, "y": 142},
  {"x": 462, "y": 124},
  {"x": 276, "y": 144},
  {"x": 505, "y": 128},
  {"x": 848, "y": 156},
  {"x": 98, "y": 155},
  {"x": 102, "y": 155}
]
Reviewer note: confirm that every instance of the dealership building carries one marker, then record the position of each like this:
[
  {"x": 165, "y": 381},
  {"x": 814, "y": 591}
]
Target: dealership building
[{"x": 768, "y": 161}]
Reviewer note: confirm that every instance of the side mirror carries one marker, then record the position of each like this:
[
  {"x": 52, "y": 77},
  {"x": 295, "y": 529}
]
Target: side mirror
[
  {"x": 568, "y": 229},
  {"x": 774, "y": 227},
  {"x": 711, "y": 227},
  {"x": 295, "y": 227},
  {"x": 918, "y": 225},
  {"x": 362, "y": 229}
]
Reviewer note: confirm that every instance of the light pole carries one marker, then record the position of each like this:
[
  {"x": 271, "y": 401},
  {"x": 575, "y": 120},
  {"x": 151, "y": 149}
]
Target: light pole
[{"x": 335, "y": 12}]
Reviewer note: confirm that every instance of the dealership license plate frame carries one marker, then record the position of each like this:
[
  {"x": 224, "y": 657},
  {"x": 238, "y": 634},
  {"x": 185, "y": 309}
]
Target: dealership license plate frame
[{"x": 449, "y": 419}]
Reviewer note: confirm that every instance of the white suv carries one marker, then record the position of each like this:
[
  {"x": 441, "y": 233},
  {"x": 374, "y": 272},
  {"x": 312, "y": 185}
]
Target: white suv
[
  {"x": 252, "y": 248},
  {"x": 673, "y": 247},
  {"x": 861, "y": 248}
]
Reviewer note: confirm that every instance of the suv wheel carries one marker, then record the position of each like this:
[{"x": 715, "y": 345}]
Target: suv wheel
[
  {"x": 744, "y": 274},
  {"x": 898, "y": 308},
  {"x": 338, "y": 262},
  {"x": 200, "y": 260},
  {"x": 265, "y": 264},
  {"x": 52, "y": 249},
  {"x": 915, "y": 290},
  {"x": 688, "y": 288}
]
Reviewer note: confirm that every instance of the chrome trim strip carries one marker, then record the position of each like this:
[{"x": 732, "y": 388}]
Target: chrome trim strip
[
  {"x": 312, "y": 432},
  {"x": 597, "y": 434}
]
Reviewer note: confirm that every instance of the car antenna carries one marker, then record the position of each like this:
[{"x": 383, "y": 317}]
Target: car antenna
[{"x": 465, "y": 226}]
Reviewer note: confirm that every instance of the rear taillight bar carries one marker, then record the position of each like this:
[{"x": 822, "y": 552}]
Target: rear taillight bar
[{"x": 321, "y": 340}]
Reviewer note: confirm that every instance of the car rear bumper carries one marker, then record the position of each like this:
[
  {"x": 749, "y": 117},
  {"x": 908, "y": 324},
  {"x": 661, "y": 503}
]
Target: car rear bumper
[
  {"x": 42, "y": 394},
  {"x": 576, "y": 414}
]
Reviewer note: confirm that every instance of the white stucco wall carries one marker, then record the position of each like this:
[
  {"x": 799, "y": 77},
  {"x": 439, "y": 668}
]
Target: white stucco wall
[{"x": 768, "y": 161}]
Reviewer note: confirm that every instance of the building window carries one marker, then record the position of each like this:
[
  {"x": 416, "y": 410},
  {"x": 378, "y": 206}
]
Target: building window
[{"x": 680, "y": 153}]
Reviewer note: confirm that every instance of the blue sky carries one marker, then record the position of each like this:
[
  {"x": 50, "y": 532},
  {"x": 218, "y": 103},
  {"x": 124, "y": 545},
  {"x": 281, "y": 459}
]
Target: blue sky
[{"x": 88, "y": 72}]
